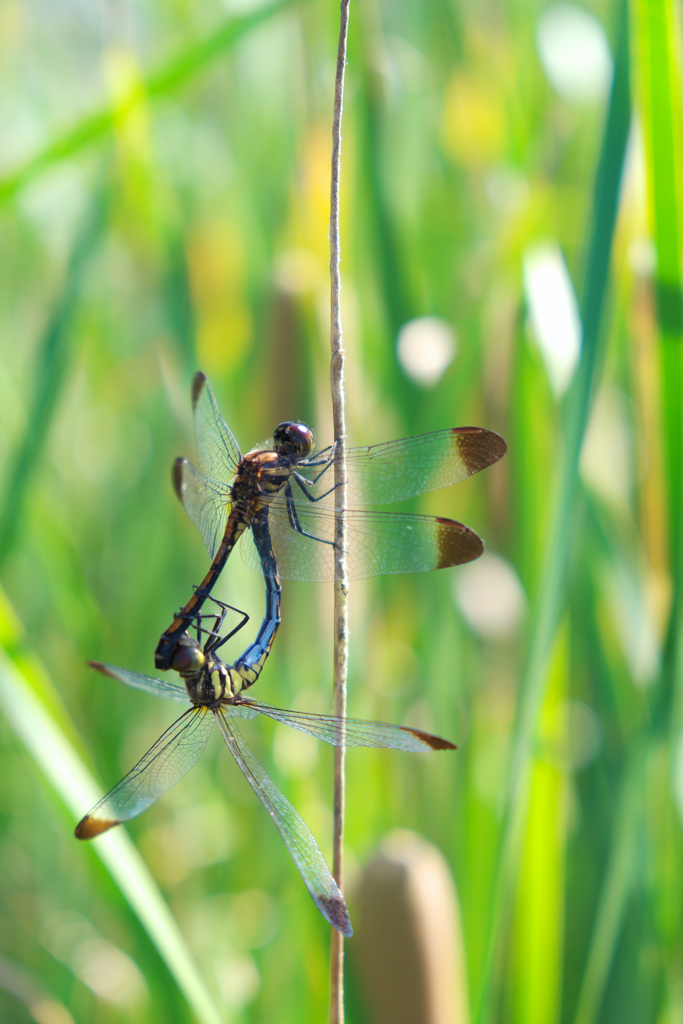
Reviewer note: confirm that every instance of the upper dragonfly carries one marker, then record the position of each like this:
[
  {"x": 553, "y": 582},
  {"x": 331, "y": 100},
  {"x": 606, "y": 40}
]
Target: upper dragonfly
[
  {"x": 283, "y": 488},
  {"x": 215, "y": 691}
]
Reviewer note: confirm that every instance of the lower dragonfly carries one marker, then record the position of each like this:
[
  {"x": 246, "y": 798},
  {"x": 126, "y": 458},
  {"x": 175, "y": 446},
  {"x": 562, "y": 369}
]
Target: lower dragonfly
[{"x": 216, "y": 693}]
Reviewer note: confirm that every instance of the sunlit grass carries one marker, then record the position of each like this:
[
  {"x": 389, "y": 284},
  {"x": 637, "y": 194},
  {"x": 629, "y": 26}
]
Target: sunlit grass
[
  {"x": 65, "y": 772},
  {"x": 183, "y": 225}
]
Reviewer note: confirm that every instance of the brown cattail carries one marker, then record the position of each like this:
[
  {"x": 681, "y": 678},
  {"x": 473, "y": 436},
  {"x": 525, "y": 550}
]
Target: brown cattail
[{"x": 409, "y": 947}]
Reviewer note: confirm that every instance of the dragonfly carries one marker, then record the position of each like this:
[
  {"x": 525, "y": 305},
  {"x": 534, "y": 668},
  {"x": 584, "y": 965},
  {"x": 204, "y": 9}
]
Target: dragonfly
[
  {"x": 215, "y": 692},
  {"x": 274, "y": 499},
  {"x": 188, "y": 656}
]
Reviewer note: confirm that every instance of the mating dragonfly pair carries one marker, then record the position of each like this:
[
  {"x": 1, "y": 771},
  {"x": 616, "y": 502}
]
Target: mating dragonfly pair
[{"x": 273, "y": 502}]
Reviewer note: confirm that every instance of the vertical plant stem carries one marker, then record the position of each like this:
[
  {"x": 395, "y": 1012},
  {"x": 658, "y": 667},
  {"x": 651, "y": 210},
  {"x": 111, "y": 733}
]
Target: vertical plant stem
[{"x": 341, "y": 588}]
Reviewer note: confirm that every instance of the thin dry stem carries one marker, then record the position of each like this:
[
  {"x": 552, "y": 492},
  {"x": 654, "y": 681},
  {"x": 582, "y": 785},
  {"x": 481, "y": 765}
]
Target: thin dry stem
[{"x": 341, "y": 589}]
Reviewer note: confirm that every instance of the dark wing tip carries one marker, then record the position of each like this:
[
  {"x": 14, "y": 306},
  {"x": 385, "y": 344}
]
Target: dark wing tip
[
  {"x": 88, "y": 827},
  {"x": 479, "y": 447},
  {"x": 334, "y": 910},
  {"x": 457, "y": 543},
  {"x": 99, "y": 667},
  {"x": 497, "y": 444},
  {"x": 177, "y": 476},
  {"x": 198, "y": 383},
  {"x": 433, "y": 742}
]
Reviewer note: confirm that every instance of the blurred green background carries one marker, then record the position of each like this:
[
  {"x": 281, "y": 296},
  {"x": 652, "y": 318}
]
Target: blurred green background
[{"x": 164, "y": 184}]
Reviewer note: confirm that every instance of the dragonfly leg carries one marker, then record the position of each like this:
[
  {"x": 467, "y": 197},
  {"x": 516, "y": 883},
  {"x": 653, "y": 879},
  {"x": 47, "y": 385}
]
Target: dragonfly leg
[
  {"x": 195, "y": 622},
  {"x": 217, "y": 640},
  {"x": 294, "y": 518},
  {"x": 218, "y": 618},
  {"x": 325, "y": 463},
  {"x": 301, "y": 482}
]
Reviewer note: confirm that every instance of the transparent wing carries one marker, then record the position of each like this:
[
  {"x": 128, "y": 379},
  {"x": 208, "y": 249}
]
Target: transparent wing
[
  {"x": 217, "y": 450},
  {"x": 353, "y": 732},
  {"x": 246, "y": 709},
  {"x": 378, "y": 543},
  {"x": 206, "y": 501},
  {"x": 159, "y": 687},
  {"x": 301, "y": 845},
  {"x": 163, "y": 765},
  {"x": 396, "y": 470}
]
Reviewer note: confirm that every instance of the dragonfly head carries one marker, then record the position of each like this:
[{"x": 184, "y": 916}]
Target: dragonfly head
[
  {"x": 188, "y": 657},
  {"x": 293, "y": 438}
]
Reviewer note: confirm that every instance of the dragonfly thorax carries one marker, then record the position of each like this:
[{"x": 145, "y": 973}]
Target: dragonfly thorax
[{"x": 214, "y": 683}]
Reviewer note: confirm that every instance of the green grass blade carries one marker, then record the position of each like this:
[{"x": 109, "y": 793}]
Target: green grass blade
[
  {"x": 70, "y": 779},
  {"x": 658, "y": 76},
  {"x": 657, "y": 63},
  {"x": 177, "y": 71},
  {"x": 658, "y": 66},
  {"x": 539, "y": 922},
  {"x": 51, "y": 365},
  {"x": 615, "y": 892},
  {"x": 551, "y": 595}
]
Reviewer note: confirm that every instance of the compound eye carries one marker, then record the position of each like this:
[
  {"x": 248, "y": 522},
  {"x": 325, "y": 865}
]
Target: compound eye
[
  {"x": 292, "y": 437},
  {"x": 187, "y": 657}
]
